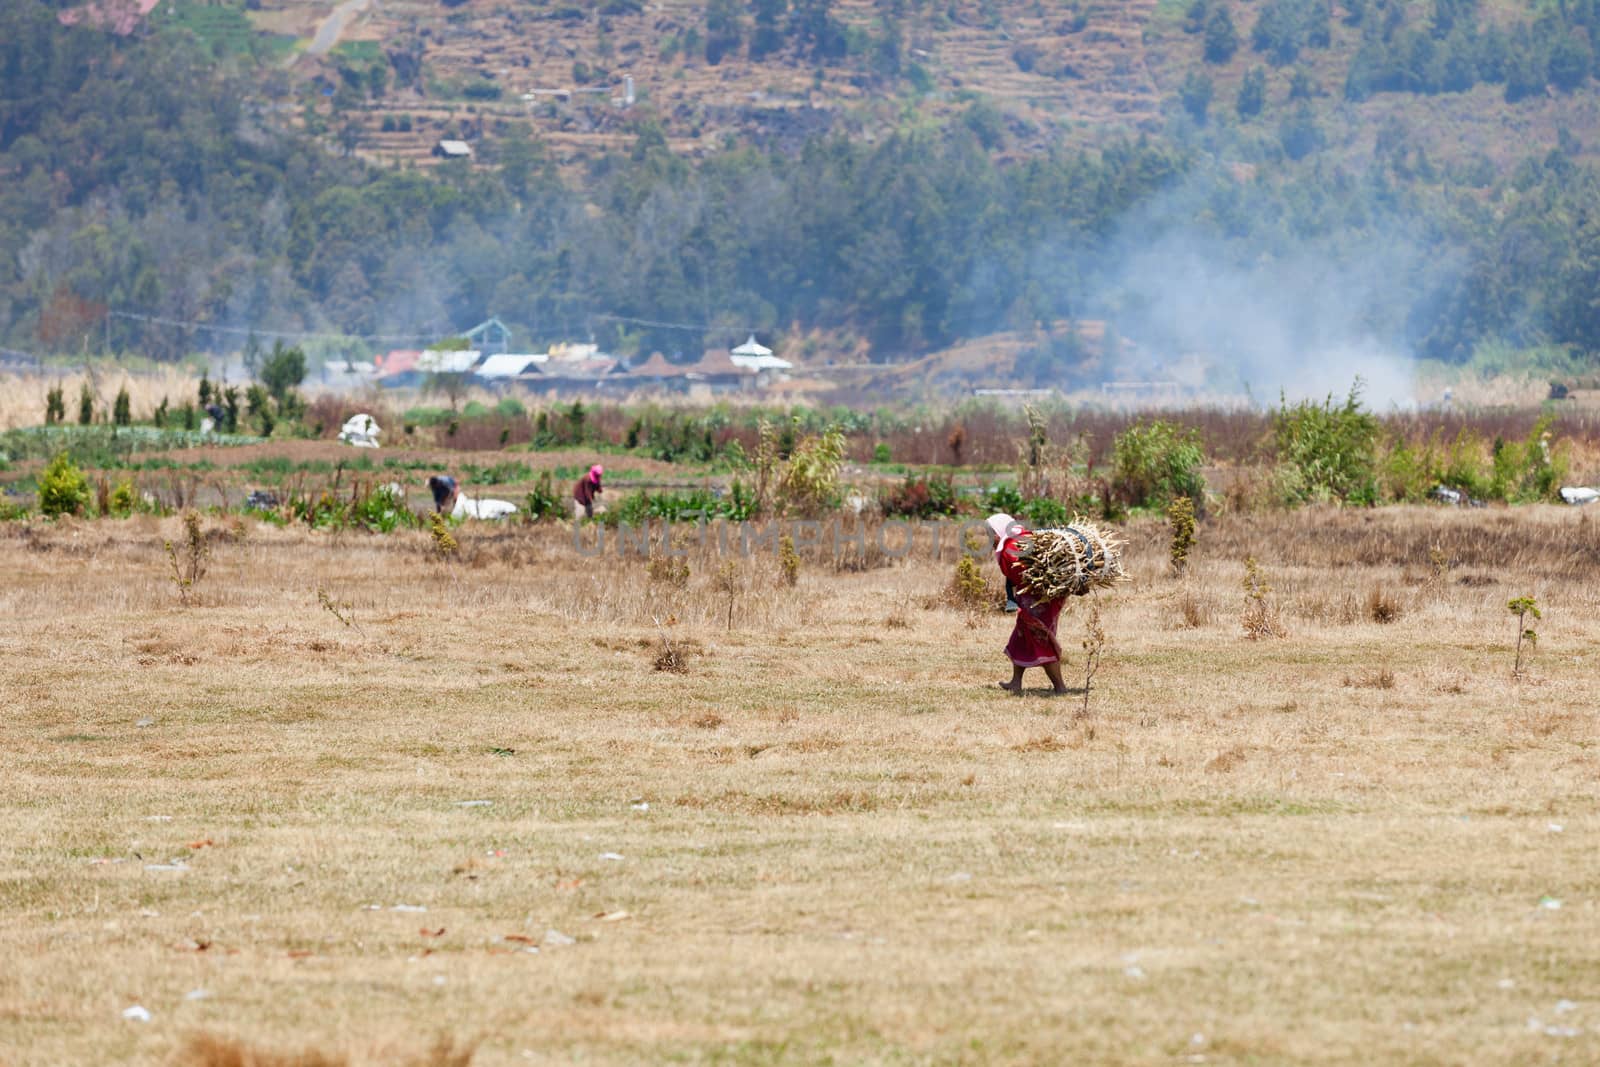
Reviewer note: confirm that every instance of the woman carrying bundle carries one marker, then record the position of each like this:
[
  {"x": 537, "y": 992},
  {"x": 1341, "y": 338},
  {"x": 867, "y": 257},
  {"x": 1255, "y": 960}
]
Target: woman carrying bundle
[{"x": 1033, "y": 639}]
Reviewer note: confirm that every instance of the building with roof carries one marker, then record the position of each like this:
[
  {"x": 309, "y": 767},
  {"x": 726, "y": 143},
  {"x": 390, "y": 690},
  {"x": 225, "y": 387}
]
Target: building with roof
[
  {"x": 448, "y": 360},
  {"x": 500, "y": 369},
  {"x": 491, "y": 336},
  {"x": 752, "y": 355},
  {"x": 452, "y": 150}
]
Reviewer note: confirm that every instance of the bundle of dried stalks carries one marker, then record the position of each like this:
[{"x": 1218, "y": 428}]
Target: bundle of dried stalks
[{"x": 1070, "y": 561}]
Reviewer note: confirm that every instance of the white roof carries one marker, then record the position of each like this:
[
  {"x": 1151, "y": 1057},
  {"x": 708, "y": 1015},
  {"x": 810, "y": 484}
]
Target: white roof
[
  {"x": 455, "y": 148},
  {"x": 434, "y": 361},
  {"x": 751, "y": 347},
  {"x": 508, "y": 366},
  {"x": 766, "y": 362}
]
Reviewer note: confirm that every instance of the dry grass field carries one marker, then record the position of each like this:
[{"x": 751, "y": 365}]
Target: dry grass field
[{"x": 475, "y": 817}]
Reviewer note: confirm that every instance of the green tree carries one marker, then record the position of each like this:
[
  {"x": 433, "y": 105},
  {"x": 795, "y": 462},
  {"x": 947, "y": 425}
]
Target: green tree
[
  {"x": 121, "y": 415},
  {"x": 1570, "y": 61},
  {"x": 282, "y": 371},
  {"x": 63, "y": 489},
  {"x": 85, "y": 405},
  {"x": 819, "y": 34},
  {"x": 724, "y": 29},
  {"x": 1222, "y": 40},
  {"x": 1299, "y": 133},
  {"x": 1195, "y": 95},
  {"x": 767, "y": 37},
  {"x": 1252, "y": 93}
]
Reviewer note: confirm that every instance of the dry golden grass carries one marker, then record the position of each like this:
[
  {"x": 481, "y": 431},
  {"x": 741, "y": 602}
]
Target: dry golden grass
[
  {"x": 831, "y": 839},
  {"x": 22, "y": 402}
]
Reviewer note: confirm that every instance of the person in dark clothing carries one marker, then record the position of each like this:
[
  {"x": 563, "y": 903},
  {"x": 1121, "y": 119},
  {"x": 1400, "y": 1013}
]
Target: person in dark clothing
[
  {"x": 444, "y": 491},
  {"x": 588, "y": 488}
]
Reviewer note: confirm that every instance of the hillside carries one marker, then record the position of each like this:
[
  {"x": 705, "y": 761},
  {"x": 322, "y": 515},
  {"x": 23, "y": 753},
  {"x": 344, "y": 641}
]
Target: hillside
[
  {"x": 1056, "y": 74},
  {"x": 1268, "y": 188}
]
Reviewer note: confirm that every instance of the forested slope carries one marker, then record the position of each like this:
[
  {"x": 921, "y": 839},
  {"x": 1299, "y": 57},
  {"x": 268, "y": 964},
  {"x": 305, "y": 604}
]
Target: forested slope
[{"x": 1268, "y": 180}]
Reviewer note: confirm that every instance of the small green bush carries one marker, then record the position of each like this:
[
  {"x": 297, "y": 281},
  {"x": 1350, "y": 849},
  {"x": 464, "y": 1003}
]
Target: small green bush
[
  {"x": 1529, "y": 470},
  {"x": 544, "y": 502},
  {"x": 1332, "y": 448},
  {"x": 1042, "y": 513},
  {"x": 921, "y": 498},
  {"x": 123, "y": 499},
  {"x": 1155, "y": 462},
  {"x": 1004, "y": 499},
  {"x": 63, "y": 489}
]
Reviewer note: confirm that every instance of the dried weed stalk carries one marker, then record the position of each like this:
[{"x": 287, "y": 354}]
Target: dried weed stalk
[
  {"x": 189, "y": 562},
  {"x": 1260, "y": 617},
  {"x": 1094, "y": 643}
]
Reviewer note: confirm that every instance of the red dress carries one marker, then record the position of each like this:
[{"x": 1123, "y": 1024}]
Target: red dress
[{"x": 1033, "y": 639}]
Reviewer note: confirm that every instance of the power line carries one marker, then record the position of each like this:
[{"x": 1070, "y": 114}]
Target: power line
[
  {"x": 297, "y": 335},
  {"x": 695, "y": 327},
  {"x": 301, "y": 335}
]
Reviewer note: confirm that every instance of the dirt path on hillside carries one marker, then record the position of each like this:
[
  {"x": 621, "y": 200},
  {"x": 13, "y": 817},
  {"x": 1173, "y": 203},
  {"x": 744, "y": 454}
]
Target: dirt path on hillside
[{"x": 333, "y": 27}]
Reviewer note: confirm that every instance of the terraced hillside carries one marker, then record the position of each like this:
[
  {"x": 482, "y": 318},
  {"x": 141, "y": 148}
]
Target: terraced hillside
[
  {"x": 485, "y": 68},
  {"x": 1054, "y": 73}
]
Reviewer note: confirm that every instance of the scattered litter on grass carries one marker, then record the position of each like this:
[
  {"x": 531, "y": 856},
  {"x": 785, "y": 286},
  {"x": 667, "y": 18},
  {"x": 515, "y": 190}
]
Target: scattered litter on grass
[
  {"x": 1198, "y": 1040},
  {"x": 136, "y": 1014},
  {"x": 640, "y": 805},
  {"x": 408, "y": 907},
  {"x": 1537, "y": 1026},
  {"x": 1134, "y": 971},
  {"x": 496, "y": 853},
  {"x": 611, "y": 916},
  {"x": 197, "y": 994},
  {"x": 150, "y": 913},
  {"x": 97, "y": 860},
  {"x": 474, "y": 803},
  {"x": 142, "y": 723},
  {"x": 372, "y": 907},
  {"x": 556, "y": 937},
  {"x": 1564, "y": 1006},
  {"x": 438, "y": 979},
  {"x": 158, "y": 818},
  {"x": 175, "y": 865},
  {"x": 1555, "y": 827},
  {"x": 204, "y": 843},
  {"x": 1549, "y": 903},
  {"x": 959, "y": 877},
  {"x": 610, "y": 855},
  {"x": 425, "y": 932},
  {"x": 1506, "y": 983}
]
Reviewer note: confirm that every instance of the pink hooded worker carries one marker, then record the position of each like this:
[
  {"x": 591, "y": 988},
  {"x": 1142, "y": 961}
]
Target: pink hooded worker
[
  {"x": 584, "y": 495},
  {"x": 1033, "y": 639}
]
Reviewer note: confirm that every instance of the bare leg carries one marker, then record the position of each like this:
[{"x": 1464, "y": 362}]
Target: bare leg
[
  {"x": 1015, "y": 685},
  {"x": 1053, "y": 670}
]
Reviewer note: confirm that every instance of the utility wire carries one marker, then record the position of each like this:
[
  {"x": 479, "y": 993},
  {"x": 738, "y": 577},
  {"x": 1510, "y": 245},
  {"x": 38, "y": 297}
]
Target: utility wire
[{"x": 299, "y": 335}]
